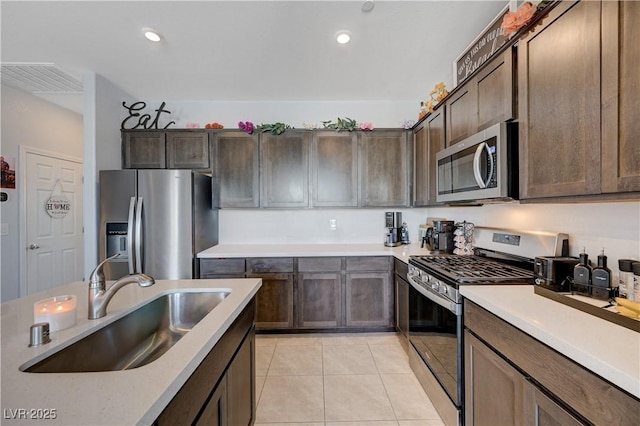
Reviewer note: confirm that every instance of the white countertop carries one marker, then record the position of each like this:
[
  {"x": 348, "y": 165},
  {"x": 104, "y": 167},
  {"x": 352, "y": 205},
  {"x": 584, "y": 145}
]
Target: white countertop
[
  {"x": 128, "y": 397},
  {"x": 401, "y": 252},
  {"x": 607, "y": 349}
]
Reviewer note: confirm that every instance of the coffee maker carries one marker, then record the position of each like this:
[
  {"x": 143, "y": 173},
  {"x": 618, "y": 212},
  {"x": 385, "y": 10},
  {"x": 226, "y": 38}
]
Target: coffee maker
[
  {"x": 393, "y": 223},
  {"x": 439, "y": 237}
]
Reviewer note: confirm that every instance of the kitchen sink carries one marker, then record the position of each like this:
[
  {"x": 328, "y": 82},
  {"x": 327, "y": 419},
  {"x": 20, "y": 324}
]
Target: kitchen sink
[{"x": 136, "y": 339}]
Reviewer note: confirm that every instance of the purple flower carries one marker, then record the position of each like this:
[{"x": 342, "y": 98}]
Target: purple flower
[{"x": 247, "y": 126}]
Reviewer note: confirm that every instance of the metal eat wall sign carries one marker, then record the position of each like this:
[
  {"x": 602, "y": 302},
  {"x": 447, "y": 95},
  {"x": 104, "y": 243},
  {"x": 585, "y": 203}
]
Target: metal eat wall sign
[{"x": 137, "y": 120}]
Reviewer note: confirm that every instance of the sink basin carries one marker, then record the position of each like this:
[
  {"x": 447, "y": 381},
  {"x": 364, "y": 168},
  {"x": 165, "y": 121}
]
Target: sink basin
[{"x": 136, "y": 339}]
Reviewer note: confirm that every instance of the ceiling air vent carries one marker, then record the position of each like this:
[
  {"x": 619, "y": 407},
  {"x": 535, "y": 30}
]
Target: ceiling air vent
[{"x": 39, "y": 78}]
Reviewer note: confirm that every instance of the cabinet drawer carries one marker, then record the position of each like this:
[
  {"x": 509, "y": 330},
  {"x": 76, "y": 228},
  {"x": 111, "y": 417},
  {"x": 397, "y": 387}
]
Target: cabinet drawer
[
  {"x": 221, "y": 266},
  {"x": 270, "y": 264},
  {"x": 368, "y": 263},
  {"x": 315, "y": 264}
]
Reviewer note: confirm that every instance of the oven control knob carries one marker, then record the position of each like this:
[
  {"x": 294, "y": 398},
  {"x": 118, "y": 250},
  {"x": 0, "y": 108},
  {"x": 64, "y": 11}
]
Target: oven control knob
[
  {"x": 434, "y": 284},
  {"x": 424, "y": 277},
  {"x": 442, "y": 289}
]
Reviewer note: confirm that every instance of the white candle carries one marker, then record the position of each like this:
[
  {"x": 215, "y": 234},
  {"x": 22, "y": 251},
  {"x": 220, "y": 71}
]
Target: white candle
[{"x": 59, "y": 312}]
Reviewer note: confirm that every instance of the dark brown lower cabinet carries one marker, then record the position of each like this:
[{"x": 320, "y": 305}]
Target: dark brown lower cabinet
[
  {"x": 513, "y": 379},
  {"x": 215, "y": 413},
  {"x": 316, "y": 293},
  {"x": 221, "y": 391},
  {"x": 319, "y": 300},
  {"x": 493, "y": 388},
  {"x": 541, "y": 410},
  {"x": 368, "y": 299},
  {"x": 274, "y": 301}
]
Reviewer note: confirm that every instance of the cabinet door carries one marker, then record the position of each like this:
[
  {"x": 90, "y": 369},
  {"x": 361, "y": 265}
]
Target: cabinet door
[
  {"x": 495, "y": 91},
  {"x": 334, "y": 169},
  {"x": 384, "y": 169},
  {"x": 368, "y": 299},
  {"x": 143, "y": 150},
  {"x": 494, "y": 390},
  {"x": 620, "y": 100},
  {"x": 540, "y": 410},
  {"x": 559, "y": 103},
  {"x": 274, "y": 301},
  {"x": 319, "y": 301},
  {"x": 462, "y": 113},
  {"x": 188, "y": 150},
  {"x": 285, "y": 167},
  {"x": 215, "y": 411},
  {"x": 241, "y": 386},
  {"x": 428, "y": 140},
  {"x": 236, "y": 163}
]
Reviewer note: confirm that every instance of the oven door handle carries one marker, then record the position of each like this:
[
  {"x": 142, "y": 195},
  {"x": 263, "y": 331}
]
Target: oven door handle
[{"x": 445, "y": 303}]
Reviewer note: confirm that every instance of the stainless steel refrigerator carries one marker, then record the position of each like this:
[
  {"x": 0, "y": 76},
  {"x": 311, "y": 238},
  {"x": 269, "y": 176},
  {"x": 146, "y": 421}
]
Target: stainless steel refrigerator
[{"x": 158, "y": 220}]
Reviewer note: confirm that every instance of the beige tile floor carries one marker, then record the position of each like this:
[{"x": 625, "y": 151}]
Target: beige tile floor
[{"x": 338, "y": 379}]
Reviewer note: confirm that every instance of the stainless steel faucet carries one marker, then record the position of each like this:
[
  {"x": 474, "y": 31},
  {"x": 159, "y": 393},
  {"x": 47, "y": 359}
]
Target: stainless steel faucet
[{"x": 99, "y": 295}]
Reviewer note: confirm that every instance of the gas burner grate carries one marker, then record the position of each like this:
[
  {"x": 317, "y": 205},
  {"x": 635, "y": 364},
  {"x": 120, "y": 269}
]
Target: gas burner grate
[{"x": 472, "y": 269}]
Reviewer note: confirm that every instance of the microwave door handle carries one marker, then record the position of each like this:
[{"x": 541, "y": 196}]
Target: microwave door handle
[
  {"x": 130, "y": 234},
  {"x": 476, "y": 165},
  {"x": 491, "y": 164}
]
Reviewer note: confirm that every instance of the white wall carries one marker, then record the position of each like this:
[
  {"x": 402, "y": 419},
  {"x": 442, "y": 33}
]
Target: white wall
[
  {"x": 614, "y": 226},
  {"x": 103, "y": 113},
  {"x": 29, "y": 121}
]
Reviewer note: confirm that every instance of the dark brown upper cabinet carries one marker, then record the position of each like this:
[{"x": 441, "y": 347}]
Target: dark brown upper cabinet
[
  {"x": 578, "y": 108},
  {"x": 384, "y": 168},
  {"x": 165, "y": 149},
  {"x": 236, "y": 162},
  {"x": 334, "y": 169},
  {"x": 428, "y": 139},
  {"x": 285, "y": 169}
]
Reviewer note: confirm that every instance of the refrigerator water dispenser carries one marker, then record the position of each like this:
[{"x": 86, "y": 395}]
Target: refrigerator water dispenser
[{"x": 117, "y": 239}]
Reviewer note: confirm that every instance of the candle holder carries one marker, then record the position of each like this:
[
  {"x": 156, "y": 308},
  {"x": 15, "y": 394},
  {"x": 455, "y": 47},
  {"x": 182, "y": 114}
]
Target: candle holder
[{"x": 58, "y": 311}]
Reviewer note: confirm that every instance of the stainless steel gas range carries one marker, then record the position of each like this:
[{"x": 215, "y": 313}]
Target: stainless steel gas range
[{"x": 501, "y": 256}]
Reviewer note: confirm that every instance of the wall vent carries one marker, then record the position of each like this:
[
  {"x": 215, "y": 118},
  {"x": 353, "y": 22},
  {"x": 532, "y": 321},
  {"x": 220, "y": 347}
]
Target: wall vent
[{"x": 39, "y": 78}]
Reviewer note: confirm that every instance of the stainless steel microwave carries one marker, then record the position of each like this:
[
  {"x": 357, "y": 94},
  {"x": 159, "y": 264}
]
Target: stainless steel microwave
[{"x": 481, "y": 168}]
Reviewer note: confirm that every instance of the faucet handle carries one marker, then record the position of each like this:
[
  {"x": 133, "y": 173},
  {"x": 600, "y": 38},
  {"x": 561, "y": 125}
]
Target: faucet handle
[{"x": 96, "y": 279}]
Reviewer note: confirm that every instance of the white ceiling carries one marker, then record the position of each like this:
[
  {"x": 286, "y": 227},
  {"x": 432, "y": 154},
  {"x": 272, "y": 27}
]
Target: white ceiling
[{"x": 249, "y": 50}]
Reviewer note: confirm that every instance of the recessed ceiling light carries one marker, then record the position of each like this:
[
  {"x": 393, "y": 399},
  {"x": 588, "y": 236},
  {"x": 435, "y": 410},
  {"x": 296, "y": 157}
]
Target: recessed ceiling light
[
  {"x": 152, "y": 35},
  {"x": 343, "y": 37}
]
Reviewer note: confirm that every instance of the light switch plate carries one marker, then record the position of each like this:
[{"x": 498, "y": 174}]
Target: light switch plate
[
  {"x": 4, "y": 229},
  {"x": 333, "y": 224}
]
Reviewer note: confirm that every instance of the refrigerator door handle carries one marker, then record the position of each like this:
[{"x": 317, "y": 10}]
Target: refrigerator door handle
[
  {"x": 138, "y": 238},
  {"x": 130, "y": 234}
]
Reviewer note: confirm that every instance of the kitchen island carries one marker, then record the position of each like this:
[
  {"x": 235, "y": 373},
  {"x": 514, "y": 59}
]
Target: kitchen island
[{"x": 136, "y": 396}]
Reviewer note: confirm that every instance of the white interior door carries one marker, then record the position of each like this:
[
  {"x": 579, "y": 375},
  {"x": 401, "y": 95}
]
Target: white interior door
[{"x": 54, "y": 245}]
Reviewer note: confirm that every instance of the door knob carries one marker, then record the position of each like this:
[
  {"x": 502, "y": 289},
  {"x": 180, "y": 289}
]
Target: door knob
[{"x": 34, "y": 247}]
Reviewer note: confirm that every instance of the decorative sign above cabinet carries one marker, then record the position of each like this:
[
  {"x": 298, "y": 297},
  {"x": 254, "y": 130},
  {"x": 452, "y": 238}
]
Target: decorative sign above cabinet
[
  {"x": 481, "y": 49},
  {"x": 137, "y": 120}
]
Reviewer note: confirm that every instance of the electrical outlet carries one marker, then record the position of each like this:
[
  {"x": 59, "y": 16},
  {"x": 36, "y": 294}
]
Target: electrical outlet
[
  {"x": 333, "y": 224},
  {"x": 4, "y": 229}
]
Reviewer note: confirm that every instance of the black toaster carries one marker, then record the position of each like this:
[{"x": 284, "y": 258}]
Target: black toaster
[{"x": 554, "y": 272}]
